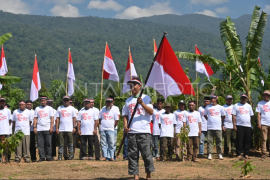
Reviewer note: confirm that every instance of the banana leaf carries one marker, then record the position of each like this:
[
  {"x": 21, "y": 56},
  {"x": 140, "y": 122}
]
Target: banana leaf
[
  {"x": 4, "y": 38},
  {"x": 9, "y": 79}
]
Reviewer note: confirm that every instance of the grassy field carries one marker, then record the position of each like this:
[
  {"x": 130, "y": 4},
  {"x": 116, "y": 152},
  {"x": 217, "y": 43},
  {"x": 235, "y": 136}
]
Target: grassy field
[{"x": 77, "y": 169}]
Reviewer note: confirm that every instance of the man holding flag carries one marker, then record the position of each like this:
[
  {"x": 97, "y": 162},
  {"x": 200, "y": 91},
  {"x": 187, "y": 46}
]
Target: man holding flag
[{"x": 139, "y": 135}]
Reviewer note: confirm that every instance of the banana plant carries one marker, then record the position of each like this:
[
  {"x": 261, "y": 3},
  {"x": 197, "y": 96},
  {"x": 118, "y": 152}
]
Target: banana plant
[{"x": 244, "y": 67}]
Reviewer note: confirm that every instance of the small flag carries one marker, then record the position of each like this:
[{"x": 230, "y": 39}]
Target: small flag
[
  {"x": 35, "y": 85},
  {"x": 262, "y": 81},
  {"x": 71, "y": 75},
  {"x": 109, "y": 69},
  {"x": 167, "y": 76},
  {"x": 155, "y": 47},
  {"x": 130, "y": 72},
  {"x": 204, "y": 68},
  {"x": 3, "y": 65}
]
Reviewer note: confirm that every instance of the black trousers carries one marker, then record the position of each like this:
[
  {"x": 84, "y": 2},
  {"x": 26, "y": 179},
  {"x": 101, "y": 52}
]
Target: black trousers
[
  {"x": 243, "y": 140},
  {"x": 44, "y": 141},
  {"x": 84, "y": 139},
  {"x": 74, "y": 145},
  {"x": 53, "y": 144},
  {"x": 33, "y": 145}
]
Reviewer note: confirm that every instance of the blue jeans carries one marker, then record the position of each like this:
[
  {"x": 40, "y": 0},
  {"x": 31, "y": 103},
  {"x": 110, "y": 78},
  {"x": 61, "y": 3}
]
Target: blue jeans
[
  {"x": 202, "y": 138},
  {"x": 107, "y": 144},
  {"x": 115, "y": 141},
  {"x": 155, "y": 140},
  {"x": 125, "y": 148}
]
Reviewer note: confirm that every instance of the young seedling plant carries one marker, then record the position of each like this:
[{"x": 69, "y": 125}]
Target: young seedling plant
[
  {"x": 183, "y": 135},
  {"x": 245, "y": 167}
]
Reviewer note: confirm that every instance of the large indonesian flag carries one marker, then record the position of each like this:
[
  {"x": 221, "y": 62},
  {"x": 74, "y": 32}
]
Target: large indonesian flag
[
  {"x": 3, "y": 65},
  {"x": 167, "y": 76},
  {"x": 71, "y": 76},
  {"x": 109, "y": 69},
  {"x": 35, "y": 85},
  {"x": 130, "y": 72},
  {"x": 204, "y": 68}
]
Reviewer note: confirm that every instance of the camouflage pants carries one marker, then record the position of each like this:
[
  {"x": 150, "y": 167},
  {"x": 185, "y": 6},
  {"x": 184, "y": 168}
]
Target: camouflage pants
[{"x": 69, "y": 137}]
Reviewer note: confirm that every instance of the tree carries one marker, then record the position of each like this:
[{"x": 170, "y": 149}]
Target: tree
[{"x": 245, "y": 67}]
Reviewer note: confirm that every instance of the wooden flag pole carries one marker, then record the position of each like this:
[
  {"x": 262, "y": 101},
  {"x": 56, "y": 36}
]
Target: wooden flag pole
[
  {"x": 154, "y": 46},
  {"x": 102, "y": 78},
  {"x": 231, "y": 82},
  {"x": 197, "y": 94},
  {"x": 136, "y": 106},
  {"x": 67, "y": 72}
]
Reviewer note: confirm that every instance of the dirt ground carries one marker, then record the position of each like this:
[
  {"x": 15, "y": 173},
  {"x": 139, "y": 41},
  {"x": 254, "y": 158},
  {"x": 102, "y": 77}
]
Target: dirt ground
[{"x": 85, "y": 169}]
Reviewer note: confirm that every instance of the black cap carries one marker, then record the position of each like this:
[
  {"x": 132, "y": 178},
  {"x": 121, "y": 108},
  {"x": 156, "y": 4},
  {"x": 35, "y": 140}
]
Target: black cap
[
  {"x": 207, "y": 98},
  {"x": 66, "y": 97},
  {"x": 2, "y": 99},
  {"x": 182, "y": 102}
]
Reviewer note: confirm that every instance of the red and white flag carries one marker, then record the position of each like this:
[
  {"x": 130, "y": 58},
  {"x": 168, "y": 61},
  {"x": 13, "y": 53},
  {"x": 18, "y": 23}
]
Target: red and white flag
[
  {"x": 204, "y": 68},
  {"x": 167, "y": 76},
  {"x": 71, "y": 76},
  {"x": 262, "y": 81},
  {"x": 109, "y": 69},
  {"x": 130, "y": 72},
  {"x": 35, "y": 85},
  {"x": 3, "y": 65},
  {"x": 155, "y": 47}
]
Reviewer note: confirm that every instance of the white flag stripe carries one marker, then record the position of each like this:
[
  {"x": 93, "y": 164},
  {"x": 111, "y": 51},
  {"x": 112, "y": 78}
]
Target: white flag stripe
[
  {"x": 110, "y": 68},
  {"x": 201, "y": 69},
  {"x": 71, "y": 79},
  {"x": 34, "y": 89},
  {"x": 162, "y": 82}
]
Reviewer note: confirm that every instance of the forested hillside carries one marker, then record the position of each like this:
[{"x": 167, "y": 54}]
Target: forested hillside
[{"x": 50, "y": 38}]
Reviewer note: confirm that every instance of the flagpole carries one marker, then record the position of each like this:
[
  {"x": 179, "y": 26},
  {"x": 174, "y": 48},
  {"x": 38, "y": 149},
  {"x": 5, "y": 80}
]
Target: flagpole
[
  {"x": 142, "y": 89},
  {"x": 231, "y": 82},
  {"x": 102, "y": 78},
  {"x": 129, "y": 63},
  {"x": 154, "y": 46},
  {"x": 67, "y": 71},
  {"x": 197, "y": 91}
]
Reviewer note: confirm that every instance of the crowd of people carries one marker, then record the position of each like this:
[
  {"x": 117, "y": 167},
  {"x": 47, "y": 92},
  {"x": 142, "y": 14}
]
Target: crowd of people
[{"x": 152, "y": 135}]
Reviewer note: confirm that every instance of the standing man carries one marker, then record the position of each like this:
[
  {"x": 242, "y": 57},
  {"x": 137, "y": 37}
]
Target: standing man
[
  {"x": 227, "y": 127},
  {"x": 87, "y": 128},
  {"x": 108, "y": 120},
  {"x": 5, "y": 117},
  {"x": 156, "y": 131},
  {"x": 263, "y": 110},
  {"x": 193, "y": 119},
  {"x": 116, "y": 109},
  {"x": 166, "y": 122},
  {"x": 43, "y": 128},
  {"x": 242, "y": 113},
  {"x": 22, "y": 119},
  {"x": 65, "y": 127},
  {"x": 215, "y": 115},
  {"x": 179, "y": 114},
  {"x": 201, "y": 109},
  {"x": 139, "y": 136},
  {"x": 29, "y": 106},
  {"x": 50, "y": 103},
  {"x": 74, "y": 135}
]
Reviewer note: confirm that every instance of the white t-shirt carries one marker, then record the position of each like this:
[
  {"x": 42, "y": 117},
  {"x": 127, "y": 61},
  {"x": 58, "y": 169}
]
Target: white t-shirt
[
  {"x": 66, "y": 115},
  {"x": 243, "y": 113},
  {"x": 141, "y": 120},
  {"x": 228, "y": 124},
  {"x": 179, "y": 119},
  {"x": 43, "y": 115},
  {"x": 87, "y": 119},
  {"x": 22, "y": 120},
  {"x": 116, "y": 109},
  {"x": 108, "y": 119},
  {"x": 155, "y": 119},
  {"x": 32, "y": 124},
  {"x": 167, "y": 122},
  {"x": 11, "y": 124},
  {"x": 214, "y": 114},
  {"x": 193, "y": 119},
  {"x": 204, "y": 121},
  {"x": 5, "y": 116},
  {"x": 263, "y": 107}
]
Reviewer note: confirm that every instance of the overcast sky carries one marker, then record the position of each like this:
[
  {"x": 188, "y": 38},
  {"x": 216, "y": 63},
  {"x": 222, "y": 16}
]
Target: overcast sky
[{"x": 130, "y": 9}]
